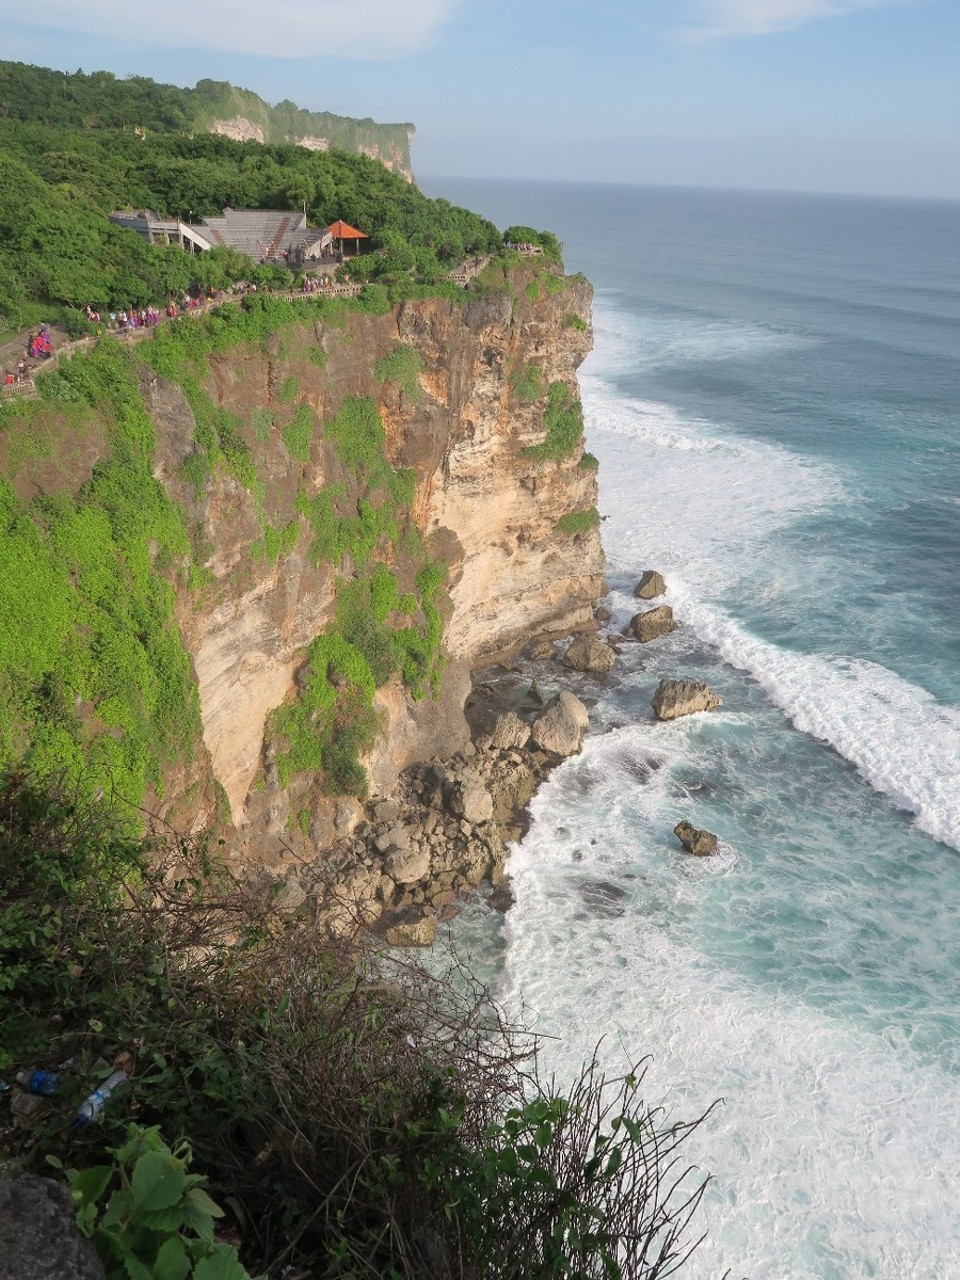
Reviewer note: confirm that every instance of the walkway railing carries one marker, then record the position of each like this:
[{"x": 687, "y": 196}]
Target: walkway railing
[{"x": 27, "y": 388}]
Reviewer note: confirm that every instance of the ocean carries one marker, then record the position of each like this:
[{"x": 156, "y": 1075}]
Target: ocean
[{"x": 774, "y": 398}]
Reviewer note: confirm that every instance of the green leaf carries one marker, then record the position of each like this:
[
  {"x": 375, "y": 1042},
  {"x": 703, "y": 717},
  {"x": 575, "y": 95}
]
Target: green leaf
[
  {"x": 198, "y": 1197},
  {"x": 615, "y": 1161},
  {"x": 87, "y": 1219},
  {"x": 197, "y": 1220},
  {"x": 162, "y": 1220},
  {"x": 158, "y": 1181},
  {"x": 135, "y": 1269},
  {"x": 172, "y": 1262},
  {"x": 222, "y": 1264},
  {"x": 121, "y": 1203},
  {"x": 90, "y": 1185}
]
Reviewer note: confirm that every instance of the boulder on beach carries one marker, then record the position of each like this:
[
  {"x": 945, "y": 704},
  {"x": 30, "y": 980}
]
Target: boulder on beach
[
  {"x": 407, "y": 864},
  {"x": 652, "y": 623},
  {"x": 650, "y": 586},
  {"x": 561, "y": 728},
  {"x": 587, "y": 653},
  {"x": 675, "y": 698},
  {"x": 418, "y": 931},
  {"x": 510, "y": 733},
  {"x": 696, "y": 840},
  {"x": 469, "y": 798},
  {"x": 541, "y": 650}
]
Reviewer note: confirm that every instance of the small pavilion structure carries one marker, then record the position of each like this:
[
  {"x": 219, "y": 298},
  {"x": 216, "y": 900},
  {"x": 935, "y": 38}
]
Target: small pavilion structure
[{"x": 343, "y": 234}]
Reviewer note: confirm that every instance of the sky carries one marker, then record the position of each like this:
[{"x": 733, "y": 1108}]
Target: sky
[{"x": 859, "y": 96}]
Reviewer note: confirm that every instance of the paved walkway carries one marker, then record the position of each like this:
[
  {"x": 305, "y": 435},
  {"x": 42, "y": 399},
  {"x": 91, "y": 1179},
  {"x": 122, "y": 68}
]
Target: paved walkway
[{"x": 10, "y": 352}]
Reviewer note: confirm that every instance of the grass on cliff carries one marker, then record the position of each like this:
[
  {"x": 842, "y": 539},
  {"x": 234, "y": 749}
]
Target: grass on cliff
[
  {"x": 563, "y": 423},
  {"x": 575, "y": 522},
  {"x": 401, "y": 365},
  {"x": 94, "y": 679},
  {"x": 377, "y": 633},
  {"x": 360, "y": 1117}
]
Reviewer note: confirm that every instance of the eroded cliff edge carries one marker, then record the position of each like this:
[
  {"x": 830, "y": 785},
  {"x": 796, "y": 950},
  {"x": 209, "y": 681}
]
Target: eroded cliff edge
[{"x": 480, "y": 413}]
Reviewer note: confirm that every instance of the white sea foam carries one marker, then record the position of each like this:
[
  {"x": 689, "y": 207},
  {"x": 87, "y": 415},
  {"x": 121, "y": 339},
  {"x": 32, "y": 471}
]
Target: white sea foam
[
  {"x": 648, "y": 342},
  {"x": 680, "y": 495},
  {"x": 901, "y": 740},
  {"x": 834, "y": 1154}
]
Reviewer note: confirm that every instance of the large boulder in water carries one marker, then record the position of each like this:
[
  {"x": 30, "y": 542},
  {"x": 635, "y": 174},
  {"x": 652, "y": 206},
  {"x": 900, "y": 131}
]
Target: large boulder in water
[
  {"x": 696, "y": 840},
  {"x": 652, "y": 623},
  {"x": 675, "y": 698},
  {"x": 561, "y": 728},
  {"x": 587, "y": 653},
  {"x": 650, "y": 586}
]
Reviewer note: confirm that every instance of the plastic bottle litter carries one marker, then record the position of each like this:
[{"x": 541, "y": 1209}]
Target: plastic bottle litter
[
  {"x": 45, "y": 1083},
  {"x": 93, "y": 1105}
]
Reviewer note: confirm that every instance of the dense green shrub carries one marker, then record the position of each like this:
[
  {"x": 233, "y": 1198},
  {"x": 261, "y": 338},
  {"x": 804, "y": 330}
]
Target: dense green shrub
[
  {"x": 526, "y": 383},
  {"x": 332, "y": 720},
  {"x": 401, "y": 365},
  {"x": 276, "y": 544},
  {"x": 289, "y": 391},
  {"x": 299, "y": 432},
  {"x": 575, "y": 522},
  {"x": 361, "y": 1118},
  {"x": 94, "y": 679},
  {"x": 563, "y": 423}
]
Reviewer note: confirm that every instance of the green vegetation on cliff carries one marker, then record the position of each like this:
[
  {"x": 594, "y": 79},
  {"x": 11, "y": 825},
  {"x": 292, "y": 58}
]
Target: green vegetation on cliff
[
  {"x": 378, "y": 632},
  {"x": 94, "y": 681},
  {"x": 575, "y": 522},
  {"x": 563, "y": 422}
]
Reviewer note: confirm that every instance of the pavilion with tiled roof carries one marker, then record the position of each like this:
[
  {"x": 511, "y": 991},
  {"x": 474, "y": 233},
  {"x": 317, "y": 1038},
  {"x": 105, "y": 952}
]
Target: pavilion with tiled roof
[{"x": 345, "y": 234}]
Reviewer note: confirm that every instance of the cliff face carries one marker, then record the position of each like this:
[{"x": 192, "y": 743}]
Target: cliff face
[
  {"x": 243, "y": 115},
  {"x": 466, "y": 418},
  {"x": 390, "y": 144}
]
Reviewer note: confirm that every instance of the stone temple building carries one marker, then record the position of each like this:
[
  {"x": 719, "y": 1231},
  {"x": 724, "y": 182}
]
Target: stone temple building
[{"x": 266, "y": 235}]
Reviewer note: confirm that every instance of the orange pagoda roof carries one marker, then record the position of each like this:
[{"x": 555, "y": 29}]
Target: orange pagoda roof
[{"x": 341, "y": 230}]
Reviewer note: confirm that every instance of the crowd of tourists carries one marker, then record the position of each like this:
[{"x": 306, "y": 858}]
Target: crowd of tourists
[
  {"x": 39, "y": 346},
  {"x": 132, "y": 319},
  {"x": 317, "y": 284}
]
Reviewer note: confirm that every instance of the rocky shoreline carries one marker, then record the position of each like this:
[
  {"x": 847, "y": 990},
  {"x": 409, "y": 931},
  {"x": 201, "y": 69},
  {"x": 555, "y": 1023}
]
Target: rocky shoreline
[
  {"x": 415, "y": 856},
  {"x": 445, "y": 830}
]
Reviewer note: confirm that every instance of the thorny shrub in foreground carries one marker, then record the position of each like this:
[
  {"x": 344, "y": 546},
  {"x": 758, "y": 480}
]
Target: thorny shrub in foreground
[{"x": 359, "y": 1116}]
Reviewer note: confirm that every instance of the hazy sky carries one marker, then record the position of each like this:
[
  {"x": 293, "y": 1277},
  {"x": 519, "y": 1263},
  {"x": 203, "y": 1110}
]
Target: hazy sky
[{"x": 822, "y": 95}]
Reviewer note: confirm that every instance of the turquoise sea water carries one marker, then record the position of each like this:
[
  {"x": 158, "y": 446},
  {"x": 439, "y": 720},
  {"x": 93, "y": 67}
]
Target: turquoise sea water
[{"x": 774, "y": 397}]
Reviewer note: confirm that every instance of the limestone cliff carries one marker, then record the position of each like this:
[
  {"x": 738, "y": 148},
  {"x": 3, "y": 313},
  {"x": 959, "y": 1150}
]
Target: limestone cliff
[{"x": 487, "y": 499}]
